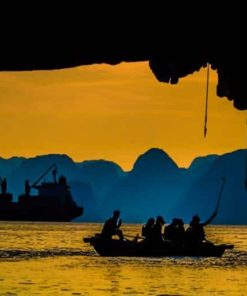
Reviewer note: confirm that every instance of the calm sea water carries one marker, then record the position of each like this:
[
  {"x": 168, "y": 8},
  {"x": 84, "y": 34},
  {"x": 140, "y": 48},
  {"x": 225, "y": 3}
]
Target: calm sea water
[{"x": 51, "y": 259}]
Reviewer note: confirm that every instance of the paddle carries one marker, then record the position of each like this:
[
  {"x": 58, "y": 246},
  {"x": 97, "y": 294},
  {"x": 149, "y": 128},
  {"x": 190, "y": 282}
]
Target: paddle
[
  {"x": 88, "y": 239},
  {"x": 220, "y": 194},
  {"x": 134, "y": 236}
]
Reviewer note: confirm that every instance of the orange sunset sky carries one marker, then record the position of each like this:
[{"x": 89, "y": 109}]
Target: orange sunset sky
[{"x": 114, "y": 113}]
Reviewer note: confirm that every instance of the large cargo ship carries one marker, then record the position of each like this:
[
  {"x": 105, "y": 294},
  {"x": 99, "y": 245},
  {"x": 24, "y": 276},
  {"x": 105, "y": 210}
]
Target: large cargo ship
[{"x": 53, "y": 202}]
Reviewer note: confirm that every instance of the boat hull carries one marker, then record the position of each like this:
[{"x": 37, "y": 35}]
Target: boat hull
[
  {"x": 35, "y": 212},
  {"x": 147, "y": 249}
]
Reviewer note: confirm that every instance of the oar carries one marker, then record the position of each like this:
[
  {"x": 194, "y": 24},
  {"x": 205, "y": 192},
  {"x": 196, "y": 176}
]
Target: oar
[
  {"x": 134, "y": 236},
  {"x": 220, "y": 193},
  {"x": 88, "y": 239}
]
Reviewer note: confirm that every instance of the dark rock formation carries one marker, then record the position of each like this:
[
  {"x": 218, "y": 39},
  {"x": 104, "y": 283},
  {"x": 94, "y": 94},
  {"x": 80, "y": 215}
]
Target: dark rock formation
[{"x": 175, "y": 40}]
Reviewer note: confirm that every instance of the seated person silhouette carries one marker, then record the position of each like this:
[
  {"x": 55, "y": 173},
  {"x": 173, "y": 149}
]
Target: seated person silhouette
[
  {"x": 111, "y": 226},
  {"x": 175, "y": 231},
  {"x": 157, "y": 230},
  {"x": 195, "y": 234},
  {"x": 147, "y": 229}
]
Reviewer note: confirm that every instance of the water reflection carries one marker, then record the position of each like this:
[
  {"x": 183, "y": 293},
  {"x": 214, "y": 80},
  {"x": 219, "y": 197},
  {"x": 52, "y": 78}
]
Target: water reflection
[{"x": 51, "y": 259}]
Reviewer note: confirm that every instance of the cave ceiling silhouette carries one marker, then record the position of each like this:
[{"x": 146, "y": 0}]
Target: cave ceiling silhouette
[{"x": 174, "y": 47}]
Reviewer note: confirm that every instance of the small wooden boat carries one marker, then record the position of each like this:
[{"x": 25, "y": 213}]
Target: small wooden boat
[{"x": 116, "y": 247}]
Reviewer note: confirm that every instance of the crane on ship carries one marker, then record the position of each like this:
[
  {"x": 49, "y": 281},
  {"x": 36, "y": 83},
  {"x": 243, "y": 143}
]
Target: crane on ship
[
  {"x": 54, "y": 173},
  {"x": 28, "y": 187}
]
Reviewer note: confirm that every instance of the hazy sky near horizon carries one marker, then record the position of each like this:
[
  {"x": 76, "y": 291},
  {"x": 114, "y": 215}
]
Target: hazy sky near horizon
[{"x": 114, "y": 113}]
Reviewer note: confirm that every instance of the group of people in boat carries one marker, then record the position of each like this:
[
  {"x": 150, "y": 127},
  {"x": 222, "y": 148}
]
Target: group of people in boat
[{"x": 152, "y": 231}]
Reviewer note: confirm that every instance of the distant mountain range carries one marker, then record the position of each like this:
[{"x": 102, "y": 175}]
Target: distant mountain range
[{"x": 155, "y": 185}]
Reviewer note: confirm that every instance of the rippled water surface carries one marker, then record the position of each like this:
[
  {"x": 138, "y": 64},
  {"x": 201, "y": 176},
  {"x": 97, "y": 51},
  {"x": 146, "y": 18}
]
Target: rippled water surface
[{"x": 52, "y": 259}]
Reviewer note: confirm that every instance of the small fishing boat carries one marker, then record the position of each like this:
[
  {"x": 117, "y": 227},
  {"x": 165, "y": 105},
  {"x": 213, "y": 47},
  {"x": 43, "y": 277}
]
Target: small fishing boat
[{"x": 143, "y": 248}]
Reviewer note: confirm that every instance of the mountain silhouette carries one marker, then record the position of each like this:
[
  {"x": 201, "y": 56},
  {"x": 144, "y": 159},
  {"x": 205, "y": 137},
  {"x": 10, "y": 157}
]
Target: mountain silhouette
[
  {"x": 84, "y": 196},
  {"x": 101, "y": 174},
  {"x": 33, "y": 166},
  {"x": 7, "y": 166},
  {"x": 148, "y": 188},
  {"x": 203, "y": 193},
  {"x": 155, "y": 185},
  {"x": 202, "y": 164},
  {"x": 154, "y": 163}
]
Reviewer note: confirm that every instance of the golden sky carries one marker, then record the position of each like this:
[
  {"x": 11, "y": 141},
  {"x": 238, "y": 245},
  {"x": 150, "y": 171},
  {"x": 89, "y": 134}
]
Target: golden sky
[{"x": 114, "y": 113}]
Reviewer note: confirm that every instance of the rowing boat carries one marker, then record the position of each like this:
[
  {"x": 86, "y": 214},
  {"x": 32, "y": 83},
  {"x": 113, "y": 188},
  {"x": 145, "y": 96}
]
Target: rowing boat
[{"x": 143, "y": 248}]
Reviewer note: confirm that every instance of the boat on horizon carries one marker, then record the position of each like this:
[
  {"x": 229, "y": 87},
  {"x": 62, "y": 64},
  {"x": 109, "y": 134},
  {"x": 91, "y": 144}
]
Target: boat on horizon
[{"x": 53, "y": 203}]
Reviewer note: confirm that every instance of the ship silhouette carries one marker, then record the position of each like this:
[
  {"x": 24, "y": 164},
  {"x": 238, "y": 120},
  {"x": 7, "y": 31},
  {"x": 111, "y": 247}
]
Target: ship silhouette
[{"x": 53, "y": 202}]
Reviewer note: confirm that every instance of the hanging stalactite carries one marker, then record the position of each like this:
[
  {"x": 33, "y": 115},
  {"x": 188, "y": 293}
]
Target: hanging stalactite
[{"x": 206, "y": 103}]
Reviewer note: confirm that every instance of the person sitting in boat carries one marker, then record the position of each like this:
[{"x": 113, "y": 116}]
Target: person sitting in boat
[
  {"x": 112, "y": 225},
  {"x": 157, "y": 229},
  {"x": 195, "y": 233},
  {"x": 175, "y": 231},
  {"x": 147, "y": 229}
]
